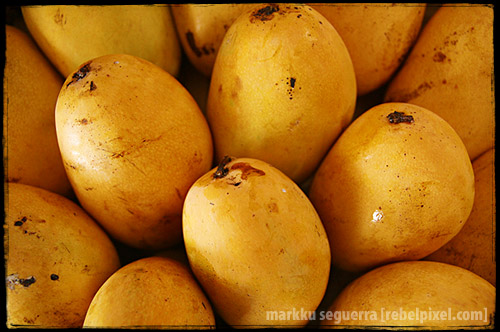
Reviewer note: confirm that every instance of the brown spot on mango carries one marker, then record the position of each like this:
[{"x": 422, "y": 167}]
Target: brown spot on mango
[
  {"x": 204, "y": 50},
  {"x": 247, "y": 170},
  {"x": 192, "y": 43},
  {"x": 406, "y": 97},
  {"x": 273, "y": 207},
  {"x": 59, "y": 18},
  {"x": 81, "y": 73},
  {"x": 265, "y": 13},
  {"x": 439, "y": 57}
]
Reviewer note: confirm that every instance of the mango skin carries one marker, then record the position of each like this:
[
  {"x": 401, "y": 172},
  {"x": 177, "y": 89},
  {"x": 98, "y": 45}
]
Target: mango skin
[
  {"x": 50, "y": 238},
  {"x": 201, "y": 28},
  {"x": 417, "y": 285},
  {"x": 31, "y": 86},
  {"x": 152, "y": 292},
  {"x": 473, "y": 248},
  {"x": 71, "y": 35},
  {"x": 449, "y": 71},
  {"x": 393, "y": 191},
  {"x": 377, "y": 35},
  {"x": 255, "y": 243},
  {"x": 133, "y": 140},
  {"x": 282, "y": 88}
]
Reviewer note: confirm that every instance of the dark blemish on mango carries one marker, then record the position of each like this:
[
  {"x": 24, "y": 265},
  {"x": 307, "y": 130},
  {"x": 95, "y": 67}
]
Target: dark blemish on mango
[
  {"x": 30, "y": 321},
  {"x": 208, "y": 49},
  {"x": 265, "y": 14},
  {"x": 20, "y": 222},
  {"x": 406, "y": 97},
  {"x": 178, "y": 192},
  {"x": 291, "y": 82},
  {"x": 81, "y": 73},
  {"x": 247, "y": 170},
  {"x": 54, "y": 277},
  {"x": 399, "y": 117},
  {"x": 31, "y": 233},
  {"x": 439, "y": 234},
  {"x": 92, "y": 86},
  {"x": 116, "y": 155},
  {"x": 222, "y": 170},
  {"x": 273, "y": 207},
  {"x": 59, "y": 18},
  {"x": 439, "y": 57},
  {"x": 205, "y": 50},
  {"x": 27, "y": 282}
]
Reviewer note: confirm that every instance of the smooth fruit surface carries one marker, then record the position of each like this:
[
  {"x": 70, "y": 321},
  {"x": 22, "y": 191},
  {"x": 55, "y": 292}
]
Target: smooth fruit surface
[
  {"x": 57, "y": 257},
  {"x": 133, "y": 141},
  {"x": 255, "y": 243},
  {"x": 397, "y": 185}
]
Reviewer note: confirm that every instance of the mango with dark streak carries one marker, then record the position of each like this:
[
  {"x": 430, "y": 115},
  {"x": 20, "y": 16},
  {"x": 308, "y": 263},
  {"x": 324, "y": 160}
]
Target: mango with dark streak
[{"x": 133, "y": 140}]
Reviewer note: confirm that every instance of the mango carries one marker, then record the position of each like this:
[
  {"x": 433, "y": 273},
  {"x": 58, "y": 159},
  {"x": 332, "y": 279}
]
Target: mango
[
  {"x": 449, "y": 71},
  {"x": 397, "y": 185},
  {"x": 377, "y": 35},
  {"x": 133, "y": 140},
  {"x": 473, "y": 248},
  {"x": 255, "y": 243},
  {"x": 282, "y": 88},
  {"x": 201, "y": 28},
  {"x": 31, "y": 86},
  {"x": 415, "y": 294},
  {"x": 70, "y": 35},
  {"x": 152, "y": 292},
  {"x": 57, "y": 257}
]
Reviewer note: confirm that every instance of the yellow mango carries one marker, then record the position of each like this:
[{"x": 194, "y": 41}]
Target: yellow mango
[
  {"x": 282, "y": 88},
  {"x": 70, "y": 35},
  {"x": 57, "y": 257},
  {"x": 397, "y": 185},
  {"x": 201, "y": 28},
  {"x": 414, "y": 294},
  {"x": 255, "y": 243},
  {"x": 31, "y": 87},
  {"x": 449, "y": 71},
  {"x": 377, "y": 35},
  {"x": 473, "y": 248},
  {"x": 152, "y": 292},
  {"x": 133, "y": 140}
]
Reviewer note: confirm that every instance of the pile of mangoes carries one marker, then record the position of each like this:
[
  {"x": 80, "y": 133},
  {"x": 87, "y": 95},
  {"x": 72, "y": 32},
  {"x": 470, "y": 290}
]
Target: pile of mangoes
[{"x": 193, "y": 166}]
